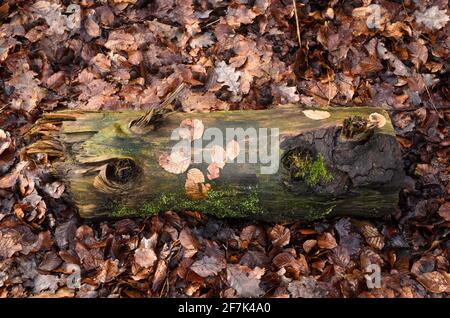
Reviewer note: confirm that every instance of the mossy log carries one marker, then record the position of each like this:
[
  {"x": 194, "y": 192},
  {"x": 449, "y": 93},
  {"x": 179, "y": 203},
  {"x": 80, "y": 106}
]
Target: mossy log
[{"x": 324, "y": 170}]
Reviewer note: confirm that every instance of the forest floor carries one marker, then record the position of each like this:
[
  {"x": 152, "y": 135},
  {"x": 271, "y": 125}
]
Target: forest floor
[{"x": 240, "y": 54}]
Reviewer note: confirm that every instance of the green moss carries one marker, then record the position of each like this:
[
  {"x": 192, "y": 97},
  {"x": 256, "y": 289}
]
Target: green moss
[
  {"x": 221, "y": 203},
  {"x": 311, "y": 170}
]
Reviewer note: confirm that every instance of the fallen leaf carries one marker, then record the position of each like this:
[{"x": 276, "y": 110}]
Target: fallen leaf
[
  {"x": 92, "y": 28},
  {"x": 284, "y": 94},
  {"x": 5, "y": 141},
  {"x": 444, "y": 211},
  {"x": 308, "y": 245},
  {"x": 45, "y": 282},
  {"x": 307, "y": 287},
  {"x": 202, "y": 40},
  {"x": 145, "y": 255},
  {"x": 327, "y": 241},
  {"x": 228, "y": 76},
  {"x": 208, "y": 266},
  {"x": 434, "y": 282},
  {"x": 9, "y": 245},
  {"x": 432, "y": 18},
  {"x": 240, "y": 15},
  {"x": 316, "y": 114},
  {"x": 245, "y": 280},
  {"x": 279, "y": 235},
  {"x": 7, "y": 181}
]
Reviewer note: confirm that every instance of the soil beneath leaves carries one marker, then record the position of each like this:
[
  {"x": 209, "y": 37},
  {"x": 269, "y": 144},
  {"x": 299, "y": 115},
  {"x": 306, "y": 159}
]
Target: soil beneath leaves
[{"x": 232, "y": 55}]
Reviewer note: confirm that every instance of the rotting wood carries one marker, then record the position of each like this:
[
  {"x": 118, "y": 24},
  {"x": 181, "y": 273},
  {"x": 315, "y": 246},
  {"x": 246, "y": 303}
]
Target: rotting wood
[{"x": 325, "y": 169}]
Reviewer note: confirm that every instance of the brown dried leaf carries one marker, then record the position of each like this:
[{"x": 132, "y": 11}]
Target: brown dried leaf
[
  {"x": 145, "y": 255},
  {"x": 327, "y": 241},
  {"x": 245, "y": 280},
  {"x": 308, "y": 245},
  {"x": 239, "y": 15},
  {"x": 9, "y": 245},
  {"x": 444, "y": 211},
  {"x": 92, "y": 28},
  {"x": 279, "y": 235},
  {"x": 435, "y": 282},
  {"x": 208, "y": 266},
  {"x": 7, "y": 181}
]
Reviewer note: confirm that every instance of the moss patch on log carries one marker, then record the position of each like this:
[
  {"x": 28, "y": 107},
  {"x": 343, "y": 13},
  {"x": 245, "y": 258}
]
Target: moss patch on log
[{"x": 227, "y": 202}]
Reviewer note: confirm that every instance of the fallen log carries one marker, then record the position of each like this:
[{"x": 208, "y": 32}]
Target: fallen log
[{"x": 342, "y": 161}]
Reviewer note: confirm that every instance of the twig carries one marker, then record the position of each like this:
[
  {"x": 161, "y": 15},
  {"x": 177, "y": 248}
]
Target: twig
[{"x": 297, "y": 24}]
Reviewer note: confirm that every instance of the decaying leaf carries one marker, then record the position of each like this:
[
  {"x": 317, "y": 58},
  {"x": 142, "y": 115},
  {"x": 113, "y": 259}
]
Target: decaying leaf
[
  {"x": 398, "y": 66},
  {"x": 227, "y": 75},
  {"x": 145, "y": 255},
  {"x": 435, "y": 282},
  {"x": 9, "y": 245},
  {"x": 316, "y": 114},
  {"x": 279, "y": 235},
  {"x": 202, "y": 40},
  {"x": 444, "y": 211},
  {"x": 5, "y": 140},
  {"x": 208, "y": 266},
  {"x": 245, "y": 280},
  {"x": 285, "y": 94},
  {"x": 371, "y": 234},
  {"x": 8, "y": 180},
  {"x": 326, "y": 240},
  {"x": 176, "y": 163},
  {"x": 308, "y": 245},
  {"x": 432, "y": 18}
]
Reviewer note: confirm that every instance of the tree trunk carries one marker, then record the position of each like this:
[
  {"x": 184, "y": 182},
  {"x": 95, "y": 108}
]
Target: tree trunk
[{"x": 324, "y": 170}]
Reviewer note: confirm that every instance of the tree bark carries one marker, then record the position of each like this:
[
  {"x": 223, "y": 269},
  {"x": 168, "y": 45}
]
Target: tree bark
[{"x": 112, "y": 171}]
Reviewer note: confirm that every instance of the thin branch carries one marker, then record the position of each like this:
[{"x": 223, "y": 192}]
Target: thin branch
[{"x": 297, "y": 24}]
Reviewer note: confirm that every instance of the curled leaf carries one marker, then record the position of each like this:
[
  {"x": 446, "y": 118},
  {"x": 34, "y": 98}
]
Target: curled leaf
[{"x": 316, "y": 114}]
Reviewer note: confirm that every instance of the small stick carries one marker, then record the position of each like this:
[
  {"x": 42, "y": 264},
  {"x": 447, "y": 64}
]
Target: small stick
[{"x": 297, "y": 24}]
